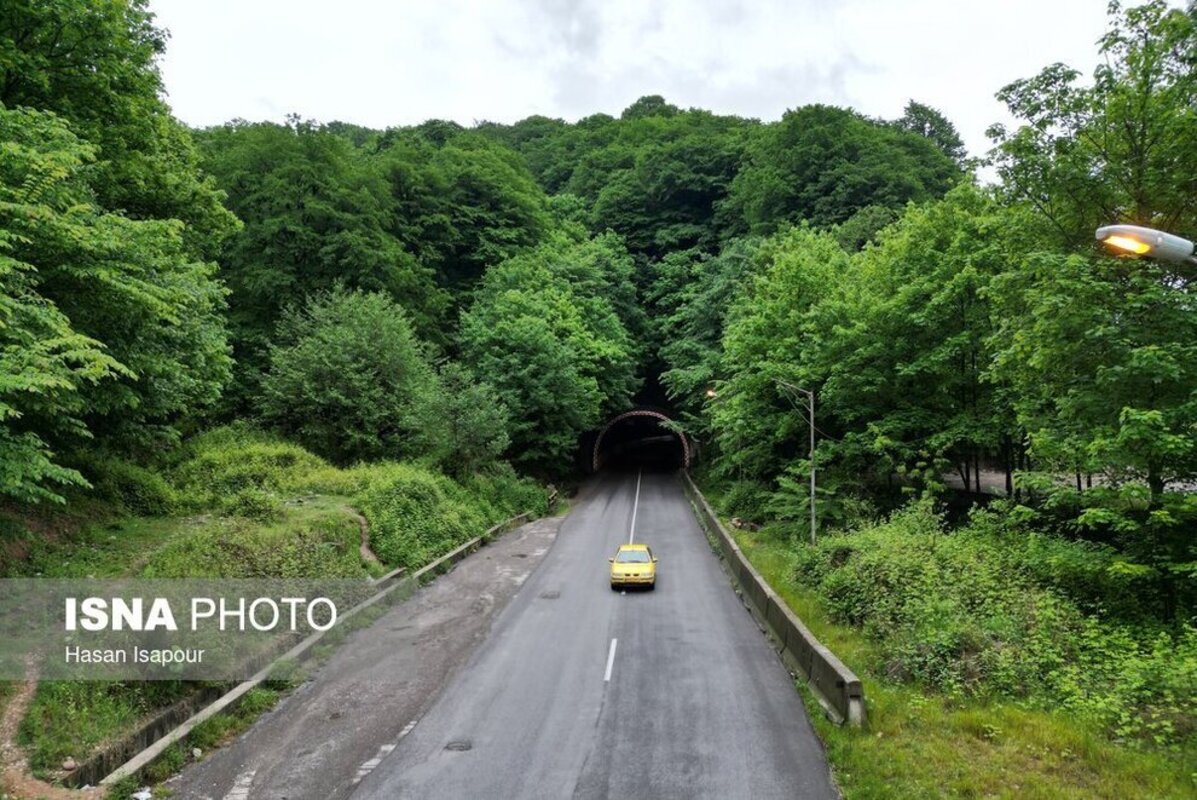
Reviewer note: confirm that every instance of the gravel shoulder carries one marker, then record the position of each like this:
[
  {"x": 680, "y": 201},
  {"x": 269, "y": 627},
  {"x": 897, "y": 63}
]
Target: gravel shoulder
[{"x": 324, "y": 737}]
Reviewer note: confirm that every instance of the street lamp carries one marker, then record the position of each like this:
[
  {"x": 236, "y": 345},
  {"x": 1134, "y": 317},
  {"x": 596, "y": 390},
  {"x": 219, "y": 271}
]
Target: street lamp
[
  {"x": 810, "y": 397},
  {"x": 1148, "y": 242}
]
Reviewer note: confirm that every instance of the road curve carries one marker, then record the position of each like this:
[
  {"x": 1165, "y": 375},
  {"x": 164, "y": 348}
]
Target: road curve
[{"x": 690, "y": 702}]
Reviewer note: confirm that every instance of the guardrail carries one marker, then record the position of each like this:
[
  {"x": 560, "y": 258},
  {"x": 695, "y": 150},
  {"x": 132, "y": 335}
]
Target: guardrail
[
  {"x": 835, "y": 686},
  {"x": 386, "y": 584}
]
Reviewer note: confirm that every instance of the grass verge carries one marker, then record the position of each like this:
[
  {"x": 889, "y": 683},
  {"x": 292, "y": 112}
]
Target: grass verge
[
  {"x": 212, "y": 733},
  {"x": 923, "y": 745},
  {"x": 316, "y": 537},
  {"x": 234, "y": 503}
]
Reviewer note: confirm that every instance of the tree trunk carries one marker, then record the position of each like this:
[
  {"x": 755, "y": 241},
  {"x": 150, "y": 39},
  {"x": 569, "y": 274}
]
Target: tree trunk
[
  {"x": 1008, "y": 465},
  {"x": 1155, "y": 482}
]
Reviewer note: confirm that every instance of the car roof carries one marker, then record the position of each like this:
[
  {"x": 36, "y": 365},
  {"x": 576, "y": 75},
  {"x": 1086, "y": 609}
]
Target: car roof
[{"x": 633, "y": 547}]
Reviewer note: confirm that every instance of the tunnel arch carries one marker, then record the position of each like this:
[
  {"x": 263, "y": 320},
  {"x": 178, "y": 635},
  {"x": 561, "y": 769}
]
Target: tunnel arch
[{"x": 596, "y": 451}]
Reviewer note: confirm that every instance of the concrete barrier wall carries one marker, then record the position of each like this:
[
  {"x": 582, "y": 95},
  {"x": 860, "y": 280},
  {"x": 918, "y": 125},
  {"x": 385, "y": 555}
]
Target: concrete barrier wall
[{"x": 837, "y": 687}]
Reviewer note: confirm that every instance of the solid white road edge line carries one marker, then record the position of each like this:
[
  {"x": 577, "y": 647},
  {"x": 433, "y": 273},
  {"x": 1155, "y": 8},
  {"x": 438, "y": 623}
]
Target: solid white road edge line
[
  {"x": 610, "y": 661},
  {"x": 635, "y": 506}
]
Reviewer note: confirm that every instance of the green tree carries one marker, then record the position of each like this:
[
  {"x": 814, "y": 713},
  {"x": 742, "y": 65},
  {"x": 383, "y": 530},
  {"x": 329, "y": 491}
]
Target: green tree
[
  {"x": 114, "y": 329},
  {"x": 1098, "y": 351},
  {"x": 1102, "y": 356},
  {"x": 546, "y": 144},
  {"x": 666, "y": 200},
  {"x": 862, "y": 227},
  {"x": 527, "y": 342},
  {"x": 932, "y": 124},
  {"x": 690, "y": 298},
  {"x": 316, "y": 215},
  {"x": 822, "y": 164},
  {"x": 652, "y": 105},
  {"x": 94, "y": 65},
  {"x": 769, "y": 329},
  {"x": 544, "y": 332},
  {"x": 474, "y": 422},
  {"x": 461, "y": 205},
  {"x": 656, "y": 175},
  {"x": 906, "y": 362},
  {"x": 1121, "y": 149},
  {"x": 349, "y": 380}
]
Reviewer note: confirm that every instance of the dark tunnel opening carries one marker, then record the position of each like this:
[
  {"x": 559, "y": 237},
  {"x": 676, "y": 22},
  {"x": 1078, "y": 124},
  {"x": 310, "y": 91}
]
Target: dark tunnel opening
[{"x": 638, "y": 439}]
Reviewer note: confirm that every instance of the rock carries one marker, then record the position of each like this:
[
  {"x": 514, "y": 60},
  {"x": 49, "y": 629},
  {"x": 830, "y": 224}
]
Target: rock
[
  {"x": 196, "y": 752},
  {"x": 143, "y": 793},
  {"x": 69, "y": 765}
]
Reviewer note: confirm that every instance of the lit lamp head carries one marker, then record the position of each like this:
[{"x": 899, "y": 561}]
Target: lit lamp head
[{"x": 1146, "y": 242}]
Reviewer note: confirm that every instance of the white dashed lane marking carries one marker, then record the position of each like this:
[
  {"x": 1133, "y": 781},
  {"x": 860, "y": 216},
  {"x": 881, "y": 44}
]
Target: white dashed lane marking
[
  {"x": 367, "y": 767},
  {"x": 240, "y": 790},
  {"x": 635, "y": 507}
]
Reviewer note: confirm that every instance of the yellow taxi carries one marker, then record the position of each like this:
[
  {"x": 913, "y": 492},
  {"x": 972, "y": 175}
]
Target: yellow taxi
[{"x": 633, "y": 565}]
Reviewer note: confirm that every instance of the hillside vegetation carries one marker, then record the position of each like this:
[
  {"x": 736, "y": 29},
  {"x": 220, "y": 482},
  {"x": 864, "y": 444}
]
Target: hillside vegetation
[
  {"x": 241, "y": 503},
  {"x": 218, "y": 346}
]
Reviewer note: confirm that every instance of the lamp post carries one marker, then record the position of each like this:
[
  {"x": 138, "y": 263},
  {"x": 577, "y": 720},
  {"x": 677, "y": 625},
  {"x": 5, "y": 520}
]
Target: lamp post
[
  {"x": 1148, "y": 242},
  {"x": 810, "y": 397}
]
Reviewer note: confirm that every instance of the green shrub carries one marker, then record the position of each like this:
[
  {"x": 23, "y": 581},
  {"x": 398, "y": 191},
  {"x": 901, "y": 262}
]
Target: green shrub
[
  {"x": 137, "y": 489},
  {"x": 321, "y": 547},
  {"x": 417, "y": 515},
  {"x": 217, "y": 465},
  {"x": 350, "y": 380},
  {"x": 745, "y": 499},
  {"x": 253, "y": 502},
  {"x": 332, "y": 480},
  {"x": 1086, "y": 572},
  {"x": 979, "y": 611},
  {"x": 504, "y": 494}
]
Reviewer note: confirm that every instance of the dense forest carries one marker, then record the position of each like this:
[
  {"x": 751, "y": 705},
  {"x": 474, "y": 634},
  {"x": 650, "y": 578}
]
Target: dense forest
[{"x": 466, "y": 298}]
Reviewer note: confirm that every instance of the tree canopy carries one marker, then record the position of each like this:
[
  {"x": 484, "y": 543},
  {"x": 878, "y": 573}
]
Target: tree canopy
[
  {"x": 822, "y": 164},
  {"x": 545, "y": 329},
  {"x": 1122, "y": 148},
  {"x": 349, "y": 379},
  {"x": 464, "y": 294}
]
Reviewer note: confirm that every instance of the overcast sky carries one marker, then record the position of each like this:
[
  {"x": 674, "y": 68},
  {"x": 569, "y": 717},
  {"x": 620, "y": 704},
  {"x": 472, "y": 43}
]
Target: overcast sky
[{"x": 401, "y": 62}]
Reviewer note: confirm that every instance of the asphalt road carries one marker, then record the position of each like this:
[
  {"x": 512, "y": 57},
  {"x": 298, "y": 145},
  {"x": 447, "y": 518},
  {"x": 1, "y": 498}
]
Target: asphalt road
[
  {"x": 321, "y": 739},
  {"x": 580, "y": 691}
]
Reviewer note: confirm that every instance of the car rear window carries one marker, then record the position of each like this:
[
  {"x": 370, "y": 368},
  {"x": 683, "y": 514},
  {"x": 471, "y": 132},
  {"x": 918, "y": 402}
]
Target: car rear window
[{"x": 632, "y": 557}]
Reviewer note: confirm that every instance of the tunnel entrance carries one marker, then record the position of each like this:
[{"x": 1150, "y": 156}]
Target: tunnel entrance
[{"x": 639, "y": 438}]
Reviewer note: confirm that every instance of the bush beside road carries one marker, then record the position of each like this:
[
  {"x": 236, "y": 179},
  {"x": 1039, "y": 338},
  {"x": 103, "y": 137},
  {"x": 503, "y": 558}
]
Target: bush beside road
[
  {"x": 236, "y": 503},
  {"x": 935, "y": 734}
]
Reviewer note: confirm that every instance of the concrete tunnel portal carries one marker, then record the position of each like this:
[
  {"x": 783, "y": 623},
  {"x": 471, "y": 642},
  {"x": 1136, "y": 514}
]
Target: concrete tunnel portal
[{"x": 639, "y": 438}]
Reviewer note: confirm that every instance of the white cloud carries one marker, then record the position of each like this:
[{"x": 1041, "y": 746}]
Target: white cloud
[{"x": 389, "y": 63}]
